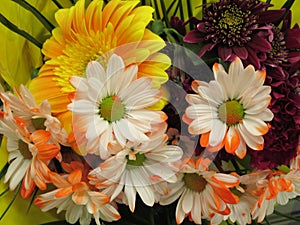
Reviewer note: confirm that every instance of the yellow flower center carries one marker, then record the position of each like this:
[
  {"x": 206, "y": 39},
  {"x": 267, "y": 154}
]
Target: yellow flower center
[
  {"x": 24, "y": 150},
  {"x": 139, "y": 160},
  {"x": 194, "y": 181},
  {"x": 78, "y": 54},
  {"x": 112, "y": 109},
  {"x": 232, "y": 19},
  {"x": 231, "y": 112}
]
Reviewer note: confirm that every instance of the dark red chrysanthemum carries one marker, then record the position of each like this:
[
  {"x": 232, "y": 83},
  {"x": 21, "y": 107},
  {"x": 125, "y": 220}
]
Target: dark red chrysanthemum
[
  {"x": 236, "y": 28},
  {"x": 283, "y": 75}
]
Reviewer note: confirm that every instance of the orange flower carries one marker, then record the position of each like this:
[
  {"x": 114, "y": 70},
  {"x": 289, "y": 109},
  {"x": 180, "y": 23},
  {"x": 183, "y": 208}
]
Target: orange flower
[
  {"x": 75, "y": 196},
  {"x": 94, "y": 34}
]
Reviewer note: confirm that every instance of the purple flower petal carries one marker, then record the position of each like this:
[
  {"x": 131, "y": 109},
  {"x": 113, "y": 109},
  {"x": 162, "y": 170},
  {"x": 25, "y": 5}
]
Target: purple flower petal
[
  {"x": 224, "y": 53},
  {"x": 260, "y": 44},
  {"x": 241, "y": 52},
  {"x": 194, "y": 36}
]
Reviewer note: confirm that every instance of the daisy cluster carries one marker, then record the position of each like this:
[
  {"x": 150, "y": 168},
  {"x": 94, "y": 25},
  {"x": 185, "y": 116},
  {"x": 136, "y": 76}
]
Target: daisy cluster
[{"x": 98, "y": 129}]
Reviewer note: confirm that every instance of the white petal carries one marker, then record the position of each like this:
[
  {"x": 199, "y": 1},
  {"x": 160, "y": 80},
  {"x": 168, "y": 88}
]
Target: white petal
[
  {"x": 254, "y": 142},
  {"x": 218, "y": 132},
  {"x": 187, "y": 202},
  {"x": 17, "y": 177},
  {"x": 115, "y": 64},
  {"x": 130, "y": 193},
  {"x": 83, "y": 107},
  {"x": 255, "y": 126},
  {"x": 94, "y": 69},
  {"x": 13, "y": 167},
  {"x": 196, "y": 210},
  {"x": 96, "y": 128}
]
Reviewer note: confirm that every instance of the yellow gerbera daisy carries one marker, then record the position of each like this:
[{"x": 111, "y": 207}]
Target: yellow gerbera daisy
[{"x": 88, "y": 34}]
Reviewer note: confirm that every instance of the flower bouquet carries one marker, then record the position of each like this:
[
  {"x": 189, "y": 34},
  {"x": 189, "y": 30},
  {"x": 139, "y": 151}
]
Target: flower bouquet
[{"x": 149, "y": 112}]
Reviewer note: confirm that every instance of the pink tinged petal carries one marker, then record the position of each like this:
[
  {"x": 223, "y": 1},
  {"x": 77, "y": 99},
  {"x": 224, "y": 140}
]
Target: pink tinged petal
[
  {"x": 154, "y": 117},
  {"x": 135, "y": 88},
  {"x": 130, "y": 193},
  {"x": 83, "y": 107},
  {"x": 13, "y": 168},
  {"x": 109, "y": 213},
  {"x": 27, "y": 97},
  {"x": 142, "y": 186},
  {"x": 180, "y": 215},
  {"x": 200, "y": 126},
  {"x": 17, "y": 177},
  {"x": 217, "y": 133},
  {"x": 260, "y": 76},
  {"x": 235, "y": 69},
  {"x": 254, "y": 142},
  {"x": 97, "y": 90},
  {"x": 115, "y": 64},
  {"x": 255, "y": 126},
  {"x": 80, "y": 198},
  {"x": 265, "y": 115},
  {"x": 200, "y": 110},
  {"x": 105, "y": 139},
  {"x": 79, "y": 83},
  {"x": 241, "y": 150},
  {"x": 142, "y": 100},
  {"x": 187, "y": 202},
  {"x": 225, "y": 81},
  {"x": 241, "y": 52},
  {"x": 96, "y": 127},
  {"x": 195, "y": 99},
  {"x": 224, "y": 53},
  {"x": 95, "y": 70},
  {"x": 196, "y": 210},
  {"x": 123, "y": 80},
  {"x": 129, "y": 131}
]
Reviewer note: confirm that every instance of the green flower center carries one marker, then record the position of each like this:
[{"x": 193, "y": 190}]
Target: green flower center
[
  {"x": 139, "y": 160},
  {"x": 231, "y": 112},
  {"x": 24, "y": 150},
  {"x": 38, "y": 123},
  {"x": 194, "y": 181},
  {"x": 111, "y": 108},
  {"x": 232, "y": 19}
]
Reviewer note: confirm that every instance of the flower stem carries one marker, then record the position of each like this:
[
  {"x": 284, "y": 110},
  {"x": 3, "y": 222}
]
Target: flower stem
[
  {"x": 12, "y": 201},
  {"x": 23, "y": 33}
]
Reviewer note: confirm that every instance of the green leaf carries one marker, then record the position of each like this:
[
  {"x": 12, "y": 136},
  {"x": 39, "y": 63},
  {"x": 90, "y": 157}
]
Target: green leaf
[
  {"x": 23, "y": 33},
  {"x": 12, "y": 201},
  {"x": 3, "y": 192},
  {"x": 157, "y": 27},
  {"x": 63, "y": 222},
  {"x": 286, "y": 216},
  {"x": 166, "y": 16},
  {"x": 36, "y": 13},
  {"x": 57, "y": 4},
  {"x": 4, "y": 170}
]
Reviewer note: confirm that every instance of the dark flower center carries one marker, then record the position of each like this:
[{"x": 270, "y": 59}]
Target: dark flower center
[
  {"x": 229, "y": 24},
  {"x": 231, "y": 112},
  {"x": 278, "y": 54},
  {"x": 111, "y": 108},
  {"x": 139, "y": 160},
  {"x": 194, "y": 181},
  {"x": 24, "y": 150},
  {"x": 38, "y": 123}
]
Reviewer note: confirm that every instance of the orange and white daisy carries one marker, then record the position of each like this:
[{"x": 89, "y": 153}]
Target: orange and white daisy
[
  {"x": 230, "y": 111},
  {"x": 78, "y": 198},
  {"x": 86, "y": 34},
  {"x": 138, "y": 168},
  {"x": 37, "y": 117},
  {"x": 276, "y": 187},
  {"x": 111, "y": 106},
  {"x": 29, "y": 154},
  {"x": 202, "y": 193}
]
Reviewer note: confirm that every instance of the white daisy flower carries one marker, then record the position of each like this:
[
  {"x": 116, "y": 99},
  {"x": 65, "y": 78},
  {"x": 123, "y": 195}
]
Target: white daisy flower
[
  {"x": 111, "y": 106},
  {"x": 37, "y": 117},
  {"x": 28, "y": 153},
  {"x": 141, "y": 169},
  {"x": 80, "y": 202},
  {"x": 231, "y": 109},
  {"x": 202, "y": 193}
]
